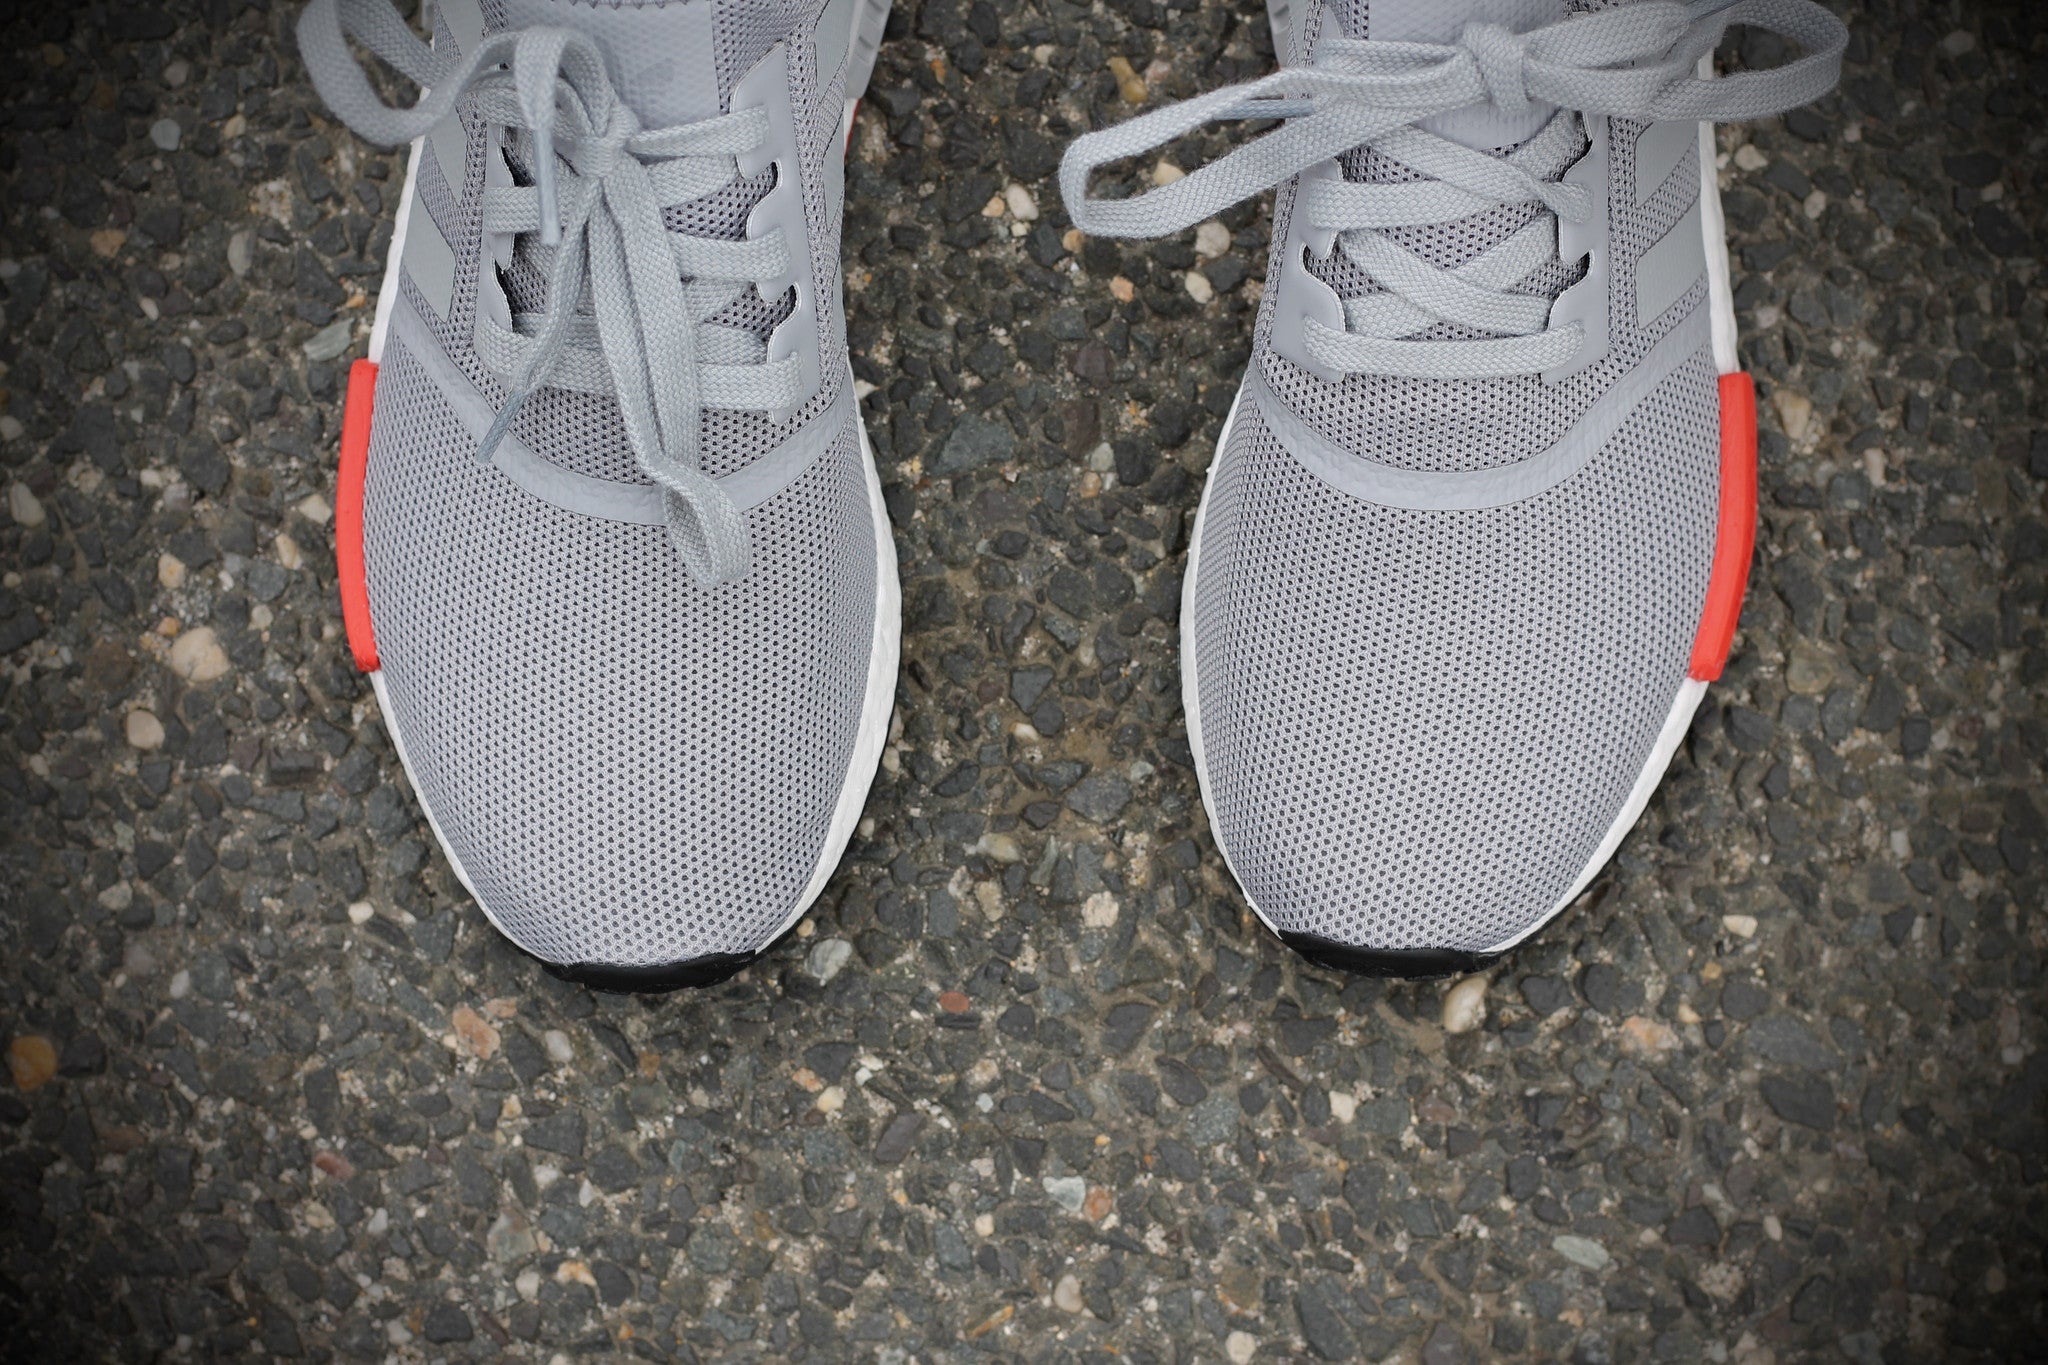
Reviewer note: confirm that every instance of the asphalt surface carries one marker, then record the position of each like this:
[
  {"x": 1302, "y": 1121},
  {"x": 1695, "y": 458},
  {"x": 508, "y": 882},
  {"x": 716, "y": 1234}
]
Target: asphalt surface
[{"x": 1030, "y": 1083}]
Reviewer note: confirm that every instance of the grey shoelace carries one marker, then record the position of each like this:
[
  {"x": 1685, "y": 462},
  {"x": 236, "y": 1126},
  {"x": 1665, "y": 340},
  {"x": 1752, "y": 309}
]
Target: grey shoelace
[
  {"x": 1637, "y": 61},
  {"x": 600, "y": 184}
]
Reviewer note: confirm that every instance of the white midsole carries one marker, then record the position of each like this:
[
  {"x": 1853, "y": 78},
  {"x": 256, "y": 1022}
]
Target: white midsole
[
  {"x": 1721, "y": 317},
  {"x": 884, "y": 644}
]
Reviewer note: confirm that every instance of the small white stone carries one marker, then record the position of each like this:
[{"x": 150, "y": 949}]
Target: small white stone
[
  {"x": 11, "y": 428},
  {"x": 1022, "y": 205},
  {"x": 1212, "y": 239},
  {"x": 1102, "y": 459},
  {"x": 181, "y": 984},
  {"x": 1465, "y": 1005},
  {"x": 1068, "y": 1191},
  {"x": 1001, "y": 847},
  {"x": 196, "y": 656},
  {"x": 1198, "y": 286},
  {"x": 560, "y": 1050},
  {"x": 1066, "y": 1295},
  {"x": 1742, "y": 926},
  {"x": 1795, "y": 411},
  {"x": 137, "y": 960},
  {"x": 1748, "y": 158},
  {"x": 315, "y": 509},
  {"x": 528, "y": 1284},
  {"x": 23, "y": 505},
  {"x": 1581, "y": 1251},
  {"x": 1773, "y": 1229},
  {"x": 1165, "y": 173},
  {"x": 360, "y": 912},
  {"x": 1958, "y": 42},
  {"x": 1816, "y": 204},
  {"x": 166, "y": 134},
  {"x": 176, "y": 72},
  {"x": 1099, "y": 911},
  {"x": 1343, "y": 1106},
  {"x": 828, "y": 956},
  {"x": 1240, "y": 1347},
  {"x": 170, "y": 571},
  {"x": 117, "y": 897},
  {"x": 380, "y": 1223},
  {"x": 242, "y": 252},
  {"x": 288, "y": 552},
  {"x": 144, "y": 730},
  {"x": 831, "y": 1099}
]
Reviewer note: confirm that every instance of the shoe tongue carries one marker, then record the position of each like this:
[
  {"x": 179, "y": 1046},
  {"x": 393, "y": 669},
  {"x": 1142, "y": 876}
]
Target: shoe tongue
[
  {"x": 662, "y": 58},
  {"x": 1440, "y": 21}
]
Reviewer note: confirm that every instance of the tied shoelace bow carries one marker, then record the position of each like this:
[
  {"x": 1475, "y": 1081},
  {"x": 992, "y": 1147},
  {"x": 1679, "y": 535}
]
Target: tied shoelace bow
[
  {"x": 600, "y": 182},
  {"x": 1638, "y": 61}
]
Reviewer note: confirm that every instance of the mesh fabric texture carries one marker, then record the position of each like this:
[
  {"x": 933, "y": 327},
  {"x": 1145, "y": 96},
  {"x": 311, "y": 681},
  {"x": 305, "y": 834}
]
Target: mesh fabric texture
[
  {"x": 1459, "y": 425},
  {"x": 1417, "y": 726},
  {"x": 630, "y": 769}
]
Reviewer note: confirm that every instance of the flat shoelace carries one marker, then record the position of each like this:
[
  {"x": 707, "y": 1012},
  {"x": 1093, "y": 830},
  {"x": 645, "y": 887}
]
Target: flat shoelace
[
  {"x": 600, "y": 184},
  {"x": 1637, "y": 61}
]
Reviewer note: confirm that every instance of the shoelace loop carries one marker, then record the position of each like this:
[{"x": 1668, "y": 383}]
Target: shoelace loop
[
  {"x": 1637, "y": 61},
  {"x": 603, "y": 239}
]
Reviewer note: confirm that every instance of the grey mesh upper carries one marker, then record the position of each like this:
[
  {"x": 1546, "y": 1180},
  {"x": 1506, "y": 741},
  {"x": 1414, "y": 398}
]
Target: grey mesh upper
[
  {"x": 1419, "y": 711},
  {"x": 633, "y": 738}
]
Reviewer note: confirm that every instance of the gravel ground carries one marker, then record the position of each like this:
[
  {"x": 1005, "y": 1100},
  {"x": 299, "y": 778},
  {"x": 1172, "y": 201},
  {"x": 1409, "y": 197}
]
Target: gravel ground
[{"x": 1030, "y": 1083}]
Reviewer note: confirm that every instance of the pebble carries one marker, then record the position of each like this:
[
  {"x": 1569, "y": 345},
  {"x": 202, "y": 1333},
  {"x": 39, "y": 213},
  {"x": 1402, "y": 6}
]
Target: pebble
[
  {"x": 828, "y": 956},
  {"x": 1240, "y": 1347},
  {"x": 1465, "y": 1005},
  {"x": 1099, "y": 911},
  {"x": 478, "y": 1035},
  {"x": 24, "y": 506},
  {"x": 1022, "y": 206},
  {"x": 1795, "y": 409},
  {"x": 955, "y": 1002},
  {"x": 1068, "y": 1191},
  {"x": 331, "y": 341},
  {"x": 1647, "y": 1037},
  {"x": 196, "y": 656},
  {"x": 360, "y": 912},
  {"x": 831, "y": 1099},
  {"x": 315, "y": 509},
  {"x": 1581, "y": 1251},
  {"x": 144, "y": 730},
  {"x": 166, "y": 134},
  {"x": 1198, "y": 286},
  {"x": 138, "y": 960},
  {"x": 1742, "y": 926},
  {"x": 528, "y": 1284},
  {"x": 560, "y": 1050},
  {"x": 31, "y": 1060},
  {"x": 1212, "y": 239},
  {"x": 241, "y": 252},
  {"x": 117, "y": 897},
  {"x": 176, "y": 72},
  {"x": 1066, "y": 1295},
  {"x": 181, "y": 983},
  {"x": 1749, "y": 158},
  {"x": 510, "y": 1239},
  {"x": 288, "y": 552},
  {"x": 1129, "y": 83},
  {"x": 170, "y": 571},
  {"x": 1166, "y": 173},
  {"x": 11, "y": 428},
  {"x": 106, "y": 243},
  {"x": 1343, "y": 1106}
]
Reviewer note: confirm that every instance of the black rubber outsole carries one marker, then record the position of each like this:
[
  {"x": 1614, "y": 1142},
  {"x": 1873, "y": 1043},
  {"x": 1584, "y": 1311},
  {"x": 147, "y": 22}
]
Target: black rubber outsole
[
  {"x": 1405, "y": 963},
  {"x": 659, "y": 979}
]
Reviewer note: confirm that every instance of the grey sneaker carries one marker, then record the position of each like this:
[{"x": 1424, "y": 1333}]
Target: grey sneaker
[
  {"x": 612, "y": 546},
  {"x": 1477, "y": 532}
]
